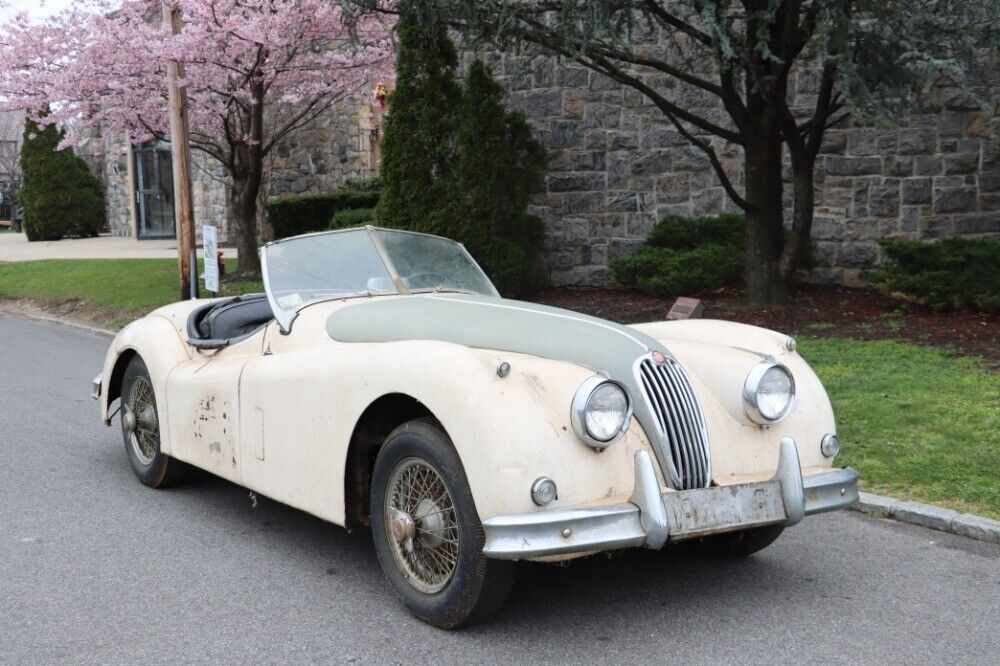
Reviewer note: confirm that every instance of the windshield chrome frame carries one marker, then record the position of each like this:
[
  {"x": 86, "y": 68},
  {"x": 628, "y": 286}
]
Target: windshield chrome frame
[{"x": 286, "y": 318}]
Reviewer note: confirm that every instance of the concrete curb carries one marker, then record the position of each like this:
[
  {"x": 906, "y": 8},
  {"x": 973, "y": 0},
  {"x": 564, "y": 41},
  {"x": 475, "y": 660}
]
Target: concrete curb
[
  {"x": 58, "y": 320},
  {"x": 933, "y": 517}
]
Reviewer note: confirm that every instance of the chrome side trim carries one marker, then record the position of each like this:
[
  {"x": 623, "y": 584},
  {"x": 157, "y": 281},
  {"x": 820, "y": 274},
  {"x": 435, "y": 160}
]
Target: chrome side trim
[
  {"x": 557, "y": 532},
  {"x": 95, "y": 387},
  {"x": 829, "y": 491}
]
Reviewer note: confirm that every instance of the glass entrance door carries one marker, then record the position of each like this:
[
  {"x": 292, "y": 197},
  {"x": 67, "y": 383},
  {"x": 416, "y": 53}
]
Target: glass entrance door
[{"x": 154, "y": 190}]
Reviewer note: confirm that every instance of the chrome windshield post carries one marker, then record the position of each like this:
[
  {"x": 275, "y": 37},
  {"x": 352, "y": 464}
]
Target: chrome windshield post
[{"x": 389, "y": 266}]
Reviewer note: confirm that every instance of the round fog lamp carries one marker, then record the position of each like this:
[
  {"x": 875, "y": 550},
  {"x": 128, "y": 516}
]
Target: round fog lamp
[
  {"x": 543, "y": 491},
  {"x": 830, "y": 445}
]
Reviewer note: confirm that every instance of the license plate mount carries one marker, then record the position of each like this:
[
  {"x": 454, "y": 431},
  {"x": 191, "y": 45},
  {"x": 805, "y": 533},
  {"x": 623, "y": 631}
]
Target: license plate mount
[{"x": 705, "y": 511}]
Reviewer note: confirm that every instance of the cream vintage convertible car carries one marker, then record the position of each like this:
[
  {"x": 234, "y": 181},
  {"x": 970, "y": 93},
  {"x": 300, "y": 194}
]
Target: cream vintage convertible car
[{"x": 382, "y": 381}]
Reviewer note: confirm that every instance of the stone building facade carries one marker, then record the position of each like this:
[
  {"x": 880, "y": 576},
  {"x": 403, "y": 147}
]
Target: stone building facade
[
  {"x": 616, "y": 166},
  {"x": 336, "y": 146}
]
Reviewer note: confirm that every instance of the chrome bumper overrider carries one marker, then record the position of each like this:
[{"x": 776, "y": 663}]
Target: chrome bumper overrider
[
  {"x": 650, "y": 518},
  {"x": 95, "y": 387}
]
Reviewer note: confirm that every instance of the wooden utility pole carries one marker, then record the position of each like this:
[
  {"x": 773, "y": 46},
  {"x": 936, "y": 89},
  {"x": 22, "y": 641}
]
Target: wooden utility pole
[{"x": 180, "y": 147}]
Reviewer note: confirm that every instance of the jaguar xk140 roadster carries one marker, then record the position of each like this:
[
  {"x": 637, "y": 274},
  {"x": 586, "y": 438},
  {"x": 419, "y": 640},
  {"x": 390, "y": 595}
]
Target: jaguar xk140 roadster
[{"x": 383, "y": 381}]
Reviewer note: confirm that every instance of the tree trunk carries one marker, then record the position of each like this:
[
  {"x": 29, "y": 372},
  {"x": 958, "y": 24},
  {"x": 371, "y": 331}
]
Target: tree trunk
[
  {"x": 805, "y": 198},
  {"x": 247, "y": 179},
  {"x": 765, "y": 216},
  {"x": 243, "y": 198}
]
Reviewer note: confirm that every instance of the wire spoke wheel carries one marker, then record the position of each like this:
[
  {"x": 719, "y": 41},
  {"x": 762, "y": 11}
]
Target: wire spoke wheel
[
  {"x": 139, "y": 421},
  {"x": 421, "y": 525}
]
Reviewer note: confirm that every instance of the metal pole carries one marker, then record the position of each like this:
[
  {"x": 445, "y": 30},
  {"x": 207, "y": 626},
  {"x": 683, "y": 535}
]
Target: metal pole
[{"x": 180, "y": 148}]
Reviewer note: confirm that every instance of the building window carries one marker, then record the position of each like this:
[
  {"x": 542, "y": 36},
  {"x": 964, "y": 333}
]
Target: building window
[{"x": 154, "y": 190}]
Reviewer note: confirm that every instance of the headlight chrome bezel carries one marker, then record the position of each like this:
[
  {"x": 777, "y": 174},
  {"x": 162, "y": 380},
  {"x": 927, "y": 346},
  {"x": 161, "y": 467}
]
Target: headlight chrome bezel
[
  {"x": 578, "y": 413},
  {"x": 752, "y": 384}
]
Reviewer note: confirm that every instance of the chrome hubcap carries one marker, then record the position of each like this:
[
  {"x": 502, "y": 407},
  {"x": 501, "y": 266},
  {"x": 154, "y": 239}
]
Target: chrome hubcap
[
  {"x": 139, "y": 421},
  {"x": 421, "y": 525}
]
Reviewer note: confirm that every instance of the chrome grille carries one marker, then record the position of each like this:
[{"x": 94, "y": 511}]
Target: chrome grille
[{"x": 680, "y": 420}]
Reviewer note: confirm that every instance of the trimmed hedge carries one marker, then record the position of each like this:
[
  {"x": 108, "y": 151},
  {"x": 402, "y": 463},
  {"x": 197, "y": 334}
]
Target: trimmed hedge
[
  {"x": 352, "y": 217},
  {"x": 951, "y": 273},
  {"x": 685, "y": 256},
  {"x": 294, "y": 215}
]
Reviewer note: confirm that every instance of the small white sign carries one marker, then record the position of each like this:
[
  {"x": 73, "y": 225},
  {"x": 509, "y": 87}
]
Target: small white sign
[{"x": 210, "y": 250}]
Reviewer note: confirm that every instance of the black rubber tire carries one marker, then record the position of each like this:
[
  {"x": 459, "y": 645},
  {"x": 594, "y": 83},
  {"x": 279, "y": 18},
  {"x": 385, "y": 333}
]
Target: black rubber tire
[
  {"x": 479, "y": 585},
  {"x": 163, "y": 471},
  {"x": 735, "y": 545}
]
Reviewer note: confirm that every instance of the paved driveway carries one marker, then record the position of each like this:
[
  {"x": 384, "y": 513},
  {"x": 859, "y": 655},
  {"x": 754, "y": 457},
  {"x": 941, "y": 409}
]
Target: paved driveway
[
  {"x": 95, "y": 568},
  {"x": 15, "y": 247}
]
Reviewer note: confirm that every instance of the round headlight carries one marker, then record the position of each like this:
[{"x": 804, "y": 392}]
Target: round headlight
[
  {"x": 601, "y": 411},
  {"x": 768, "y": 392}
]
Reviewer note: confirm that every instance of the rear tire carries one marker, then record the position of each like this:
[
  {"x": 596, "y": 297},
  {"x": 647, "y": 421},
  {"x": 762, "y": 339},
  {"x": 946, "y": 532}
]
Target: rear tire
[
  {"x": 140, "y": 420},
  {"x": 427, "y": 533},
  {"x": 735, "y": 545}
]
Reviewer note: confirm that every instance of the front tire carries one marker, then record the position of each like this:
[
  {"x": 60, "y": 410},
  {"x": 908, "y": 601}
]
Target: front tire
[
  {"x": 427, "y": 533},
  {"x": 140, "y": 420}
]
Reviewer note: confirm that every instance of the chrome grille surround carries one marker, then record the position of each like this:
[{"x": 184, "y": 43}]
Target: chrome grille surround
[{"x": 682, "y": 435}]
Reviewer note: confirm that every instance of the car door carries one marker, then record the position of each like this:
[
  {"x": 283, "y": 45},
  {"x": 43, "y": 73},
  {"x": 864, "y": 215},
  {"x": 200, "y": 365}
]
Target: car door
[
  {"x": 203, "y": 406},
  {"x": 290, "y": 415}
]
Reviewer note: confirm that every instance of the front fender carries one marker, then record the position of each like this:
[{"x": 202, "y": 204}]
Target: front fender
[
  {"x": 508, "y": 431},
  {"x": 719, "y": 356},
  {"x": 156, "y": 340}
]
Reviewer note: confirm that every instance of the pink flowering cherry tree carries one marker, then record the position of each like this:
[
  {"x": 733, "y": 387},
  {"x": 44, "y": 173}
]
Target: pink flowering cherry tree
[{"x": 255, "y": 72}]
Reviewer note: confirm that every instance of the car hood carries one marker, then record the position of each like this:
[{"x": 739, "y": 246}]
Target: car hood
[
  {"x": 538, "y": 330},
  {"x": 493, "y": 323}
]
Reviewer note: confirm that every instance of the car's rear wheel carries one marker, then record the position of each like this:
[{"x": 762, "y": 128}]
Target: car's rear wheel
[
  {"x": 427, "y": 533},
  {"x": 140, "y": 421},
  {"x": 739, "y": 544}
]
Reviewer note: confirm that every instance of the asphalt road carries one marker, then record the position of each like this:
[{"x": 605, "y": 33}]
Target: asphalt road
[{"x": 96, "y": 568}]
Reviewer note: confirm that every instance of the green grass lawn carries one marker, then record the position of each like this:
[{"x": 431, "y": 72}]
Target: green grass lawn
[
  {"x": 915, "y": 423},
  {"x": 115, "y": 291}
]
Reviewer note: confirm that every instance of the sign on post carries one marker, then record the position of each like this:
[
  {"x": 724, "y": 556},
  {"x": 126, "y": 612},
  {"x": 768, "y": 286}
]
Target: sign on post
[{"x": 210, "y": 245}]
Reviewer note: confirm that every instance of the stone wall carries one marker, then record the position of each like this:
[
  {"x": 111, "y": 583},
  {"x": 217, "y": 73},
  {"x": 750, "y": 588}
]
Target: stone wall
[
  {"x": 616, "y": 166},
  {"x": 107, "y": 154}
]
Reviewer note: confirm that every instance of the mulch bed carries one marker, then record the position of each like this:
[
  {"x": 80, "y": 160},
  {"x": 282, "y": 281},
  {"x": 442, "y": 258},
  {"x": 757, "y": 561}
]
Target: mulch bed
[{"x": 862, "y": 314}]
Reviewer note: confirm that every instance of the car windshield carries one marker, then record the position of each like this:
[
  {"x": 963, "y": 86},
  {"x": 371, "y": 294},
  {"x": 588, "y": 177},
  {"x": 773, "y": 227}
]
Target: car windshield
[
  {"x": 430, "y": 263},
  {"x": 365, "y": 262}
]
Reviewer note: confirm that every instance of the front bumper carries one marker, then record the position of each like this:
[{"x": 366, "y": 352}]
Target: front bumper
[{"x": 650, "y": 518}]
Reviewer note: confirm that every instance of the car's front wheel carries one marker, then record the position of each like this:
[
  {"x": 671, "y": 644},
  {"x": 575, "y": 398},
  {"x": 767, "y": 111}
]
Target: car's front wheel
[
  {"x": 140, "y": 420},
  {"x": 427, "y": 533}
]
